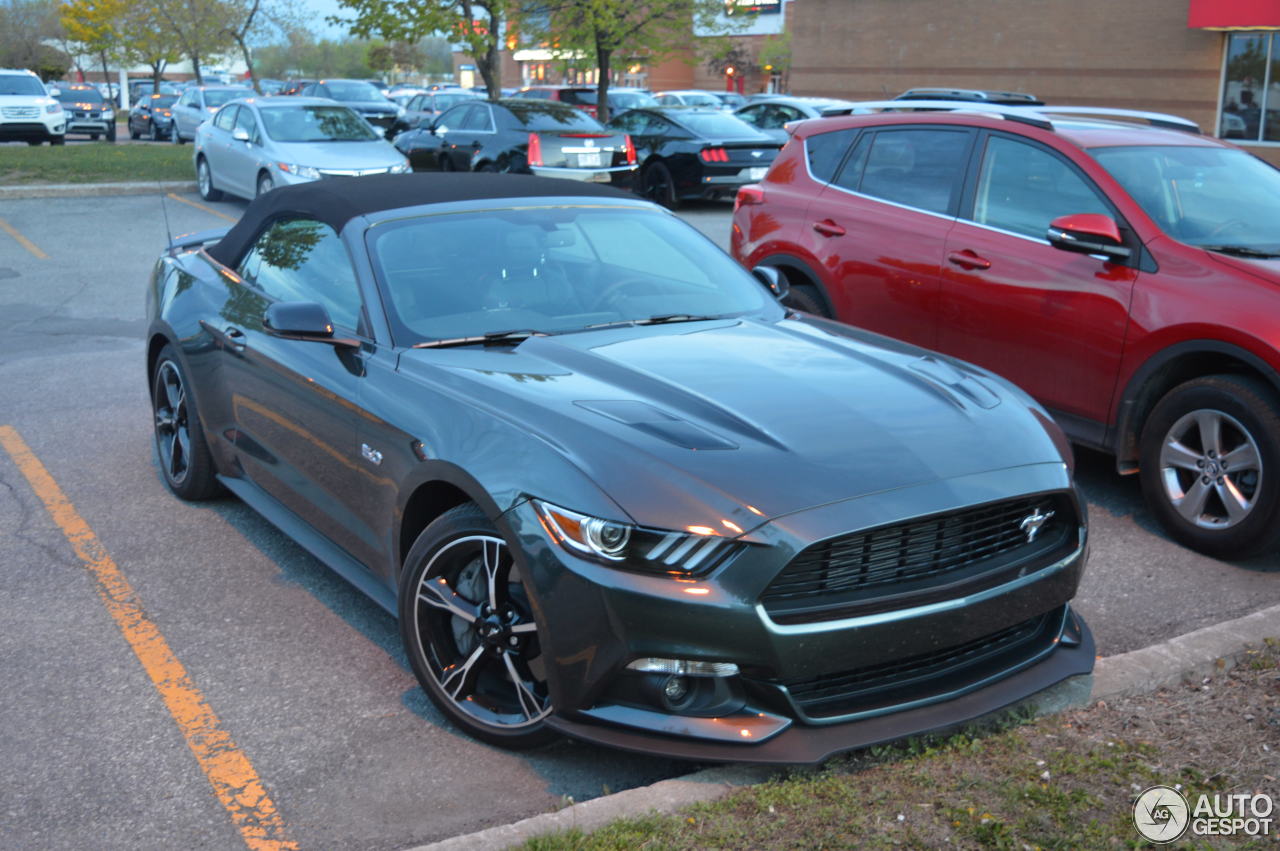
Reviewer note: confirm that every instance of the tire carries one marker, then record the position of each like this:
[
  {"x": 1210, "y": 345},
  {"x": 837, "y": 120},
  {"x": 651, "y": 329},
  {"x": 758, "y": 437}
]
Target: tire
[
  {"x": 134, "y": 134},
  {"x": 58, "y": 140},
  {"x": 204, "y": 180},
  {"x": 657, "y": 184},
  {"x": 111, "y": 134},
  {"x": 486, "y": 640},
  {"x": 488, "y": 168},
  {"x": 446, "y": 162},
  {"x": 804, "y": 297},
  {"x": 93, "y": 137},
  {"x": 185, "y": 460},
  {"x": 35, "y": 143},
  {"x": 1230, "y": 513},
  {"x": 154, "y": 135},
  {"x": 174, "y": 136},
  {"x": 265, "y": 184}
]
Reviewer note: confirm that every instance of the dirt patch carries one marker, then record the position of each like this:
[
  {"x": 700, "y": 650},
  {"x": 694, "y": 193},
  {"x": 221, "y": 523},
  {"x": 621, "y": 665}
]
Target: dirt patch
[{"x": 1063, "y": 782}]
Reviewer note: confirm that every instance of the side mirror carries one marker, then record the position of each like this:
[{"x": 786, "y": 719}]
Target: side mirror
[
  {"x": 240, "y": 134},
  {"x": 774, "y": 280},
  {"x": 1088, "y": 233},
  {"x": 302, "y": 320}
]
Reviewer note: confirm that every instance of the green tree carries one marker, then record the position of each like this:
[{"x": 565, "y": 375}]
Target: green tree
[
  {"x": 142, "y": 42},
  {"x": 91, "y": 28},
  {"x": 476, "y": 23},
  {"x": 199, "y": 28},
  {"x": 600, "y": 29}
]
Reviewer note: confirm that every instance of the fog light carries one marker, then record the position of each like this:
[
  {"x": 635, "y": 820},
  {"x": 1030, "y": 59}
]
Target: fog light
[
  {"x": 675, "y": 689},
  {"x": 684, "y": 667}
]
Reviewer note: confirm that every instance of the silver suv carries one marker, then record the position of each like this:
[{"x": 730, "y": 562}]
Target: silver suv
[{"x": 27, "y": 112}]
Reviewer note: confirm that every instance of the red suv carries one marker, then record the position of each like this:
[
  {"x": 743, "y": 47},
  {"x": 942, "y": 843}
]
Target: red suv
[{"x": 1127, "y": 275}]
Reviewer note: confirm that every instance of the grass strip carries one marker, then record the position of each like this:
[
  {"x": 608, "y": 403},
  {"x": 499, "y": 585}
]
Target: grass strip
[
  {"x": 1060, "y": 782},
  {"x": 94, "y": 163}
]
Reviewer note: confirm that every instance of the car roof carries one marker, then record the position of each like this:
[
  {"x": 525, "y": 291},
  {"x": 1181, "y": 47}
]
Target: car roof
[
  {"x": 295, "y": 100},
  {"x": 336, "y": 202},
  {"x": 17, "y": 71},
  {"x": 1081, "y": 132}
]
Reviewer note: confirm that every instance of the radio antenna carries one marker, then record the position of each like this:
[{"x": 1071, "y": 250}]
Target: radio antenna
[{"x": 168, "y": 231}]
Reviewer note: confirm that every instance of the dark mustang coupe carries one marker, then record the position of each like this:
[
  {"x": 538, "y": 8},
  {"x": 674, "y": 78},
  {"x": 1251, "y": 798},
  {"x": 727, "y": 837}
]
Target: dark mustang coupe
[{"x": 610, "y": 487}]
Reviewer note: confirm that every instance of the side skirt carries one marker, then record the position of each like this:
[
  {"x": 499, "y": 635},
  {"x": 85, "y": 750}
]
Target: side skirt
[{"x": 335, "y": 558}]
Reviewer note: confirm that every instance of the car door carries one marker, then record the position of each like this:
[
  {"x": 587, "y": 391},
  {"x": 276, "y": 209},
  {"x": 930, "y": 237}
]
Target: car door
[
  {"x": 1051, "y": 321},
  {"x": 184, "y": 113},
  {"x": 295, "y": 402},
  {"x": 218, "y": 144},
  {"x": 885, "y": 220},
  {"x": 455, "y": 150}
]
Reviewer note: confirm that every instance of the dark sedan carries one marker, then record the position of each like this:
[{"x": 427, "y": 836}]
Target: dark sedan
[
  {"x": 524, "y": 137},
  {"x": 152, "y": 116},
  {"x": 366, "y": 99},
  {"x": 609, "y": 486},
  {"x": 694, "y": 152},
  {"x": 426, "y": 106}
]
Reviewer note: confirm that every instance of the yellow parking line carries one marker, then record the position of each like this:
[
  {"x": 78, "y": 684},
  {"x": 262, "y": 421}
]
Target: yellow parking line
[
  {"x": 229, "y": 771},
  {"x": 22, "y": 240},
  {"x": 203, "y": 207}
]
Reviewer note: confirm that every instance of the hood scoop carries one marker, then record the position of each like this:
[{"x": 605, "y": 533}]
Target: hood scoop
[{"x": 655, "y": 423}]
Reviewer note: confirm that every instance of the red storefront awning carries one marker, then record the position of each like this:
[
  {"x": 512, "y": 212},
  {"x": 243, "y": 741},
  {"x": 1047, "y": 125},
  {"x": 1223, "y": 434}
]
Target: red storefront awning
[{"x": 1234, "y": 14}]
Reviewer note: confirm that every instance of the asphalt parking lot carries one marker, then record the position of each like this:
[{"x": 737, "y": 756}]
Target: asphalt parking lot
[{"x": 282, "y": 665}]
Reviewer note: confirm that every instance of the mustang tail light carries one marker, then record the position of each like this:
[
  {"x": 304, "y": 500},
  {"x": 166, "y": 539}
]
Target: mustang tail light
[
  {"x": 714, "y": 155},
  {"x": 749, "y": 195},
  {"x": 631, "y": 150},
  {"x": 535, "y": 149}
]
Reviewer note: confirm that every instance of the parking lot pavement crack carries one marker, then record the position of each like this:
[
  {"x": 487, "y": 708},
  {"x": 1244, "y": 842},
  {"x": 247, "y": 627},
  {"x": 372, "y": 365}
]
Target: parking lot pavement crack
[{"x": 26, "y": 519}]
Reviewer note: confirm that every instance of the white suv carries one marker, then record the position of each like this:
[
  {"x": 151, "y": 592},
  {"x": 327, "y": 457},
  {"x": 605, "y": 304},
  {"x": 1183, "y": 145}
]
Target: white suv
[{"x": 27, "y": 112}]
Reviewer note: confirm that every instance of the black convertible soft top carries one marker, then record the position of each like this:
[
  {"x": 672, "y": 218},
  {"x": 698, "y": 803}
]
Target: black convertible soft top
[{"x": 337, "y": 201}]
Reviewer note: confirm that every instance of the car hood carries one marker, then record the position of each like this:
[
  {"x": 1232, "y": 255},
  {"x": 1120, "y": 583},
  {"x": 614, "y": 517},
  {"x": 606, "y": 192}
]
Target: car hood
[
  {"x": 25, "y": 100},
  {"x": 1268, "y": 268},
  {"x": 750, "y": 419},
  {"x": 376, "y": 153},
  {"x": 370, "y": 106}
]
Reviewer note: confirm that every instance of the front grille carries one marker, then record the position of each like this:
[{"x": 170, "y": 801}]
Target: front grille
[
  {"x": 847, "y": 574},
  {"x": 20, "y": 111},
  {"x": 351, "y": 172},
  {"x": 937, "y": 674}
]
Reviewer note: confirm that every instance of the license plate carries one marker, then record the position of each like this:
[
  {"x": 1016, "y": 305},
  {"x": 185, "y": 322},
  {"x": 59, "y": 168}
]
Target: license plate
[
  {"x": 757, "y": 172},
  {"x": 595, "y": 160}
]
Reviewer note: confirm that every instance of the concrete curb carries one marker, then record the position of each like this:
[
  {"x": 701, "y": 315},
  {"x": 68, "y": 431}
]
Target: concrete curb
[
  {"x": 87, "y": 190},
  {"x": 1194, "y": 655}
]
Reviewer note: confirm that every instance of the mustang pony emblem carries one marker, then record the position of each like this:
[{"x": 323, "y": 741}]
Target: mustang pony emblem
[{"x": 1032, "y": 523}]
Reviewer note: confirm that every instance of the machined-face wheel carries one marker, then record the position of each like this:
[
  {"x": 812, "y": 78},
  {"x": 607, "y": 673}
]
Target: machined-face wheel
[
  {"x": 173, "y": 433},
  {"x": 477, "y": 637},
  {"x": 1211, "y": 469}
]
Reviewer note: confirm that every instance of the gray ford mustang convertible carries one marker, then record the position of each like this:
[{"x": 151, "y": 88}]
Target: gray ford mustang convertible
[{"x": 610, "y": 487}]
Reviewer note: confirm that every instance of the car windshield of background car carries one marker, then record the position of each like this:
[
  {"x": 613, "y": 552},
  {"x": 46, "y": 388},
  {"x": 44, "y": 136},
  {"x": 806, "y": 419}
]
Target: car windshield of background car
[
  {"x": 631, "y": 100},
  {"x": 20, "y": 84},
  {"x": 74, "y": 96},
  {"x": 552, "y": 269},
  {"x": 700, "y": 100},
  {"x": 361, "y": 92},
  {"x": 443, "y": 102},
  {"x": 551, "y": 116},
  {"x": 1200, "y": 195},
  {"x": 162, "y": 101},
  {"x": 216, "y": 97},
  {"x": 717, "y": 124},
  {"x": 315, "y": 124}
]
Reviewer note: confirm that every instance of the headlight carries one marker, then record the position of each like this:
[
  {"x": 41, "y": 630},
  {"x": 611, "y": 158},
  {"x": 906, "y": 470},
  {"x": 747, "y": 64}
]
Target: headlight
[
  {"x": 691, "y": 552},
  {"x": 304, "y": 171},
  {"x": 401, "y": 168},
  {"x": 53, "y": 108},
  {"x": 108, "y": 113},
  {"x": 399, "y": 112}
]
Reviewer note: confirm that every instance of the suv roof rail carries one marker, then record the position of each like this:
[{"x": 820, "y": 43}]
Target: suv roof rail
[
  {"x": 1037, "y": 116},
  {"x": 979, "y": 95}
]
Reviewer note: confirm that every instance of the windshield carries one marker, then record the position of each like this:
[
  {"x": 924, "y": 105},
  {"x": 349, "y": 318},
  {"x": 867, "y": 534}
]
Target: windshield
[
  {"x": 698, "y": 99},
  {"x": 717, "y": 124},
  {"x": 162, "y": 101},
  {"x": 218, "y": 97},
  {"x": 544, "y": 115},
  {"x": 20, "y": 84},
  {"x": 553, "y": 270},
  {"x": 354, "y": 91},
  {"x": 80, "y": 96},
  {"x": 1202, "y": 196},
  {"x": 315, "y": 124},
  {"x": 443, "y": 102}
]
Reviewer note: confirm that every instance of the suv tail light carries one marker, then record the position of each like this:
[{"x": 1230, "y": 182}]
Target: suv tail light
[
  {"x": 749, "y": 195},
  {"x": 714, "y": 155},
  {"x": 631, "y": 150},
  {"x": 535, "y": 149}
]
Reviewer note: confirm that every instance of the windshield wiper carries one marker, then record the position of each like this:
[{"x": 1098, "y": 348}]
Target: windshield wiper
[
  {"x": 661, "y": 319},
  {"x": 493, "y": 338},
  {"x": 1241, "y": 251}
]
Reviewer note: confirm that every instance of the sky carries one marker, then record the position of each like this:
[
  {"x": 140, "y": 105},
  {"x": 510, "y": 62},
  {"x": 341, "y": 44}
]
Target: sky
[{"x": 316, "y": 11}]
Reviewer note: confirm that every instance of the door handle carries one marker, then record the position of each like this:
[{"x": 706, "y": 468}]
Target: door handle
[
  {"x": 826, "y": 227},
  {"x": 968, "y": 260},
  {"x": 235, "y": 338}
]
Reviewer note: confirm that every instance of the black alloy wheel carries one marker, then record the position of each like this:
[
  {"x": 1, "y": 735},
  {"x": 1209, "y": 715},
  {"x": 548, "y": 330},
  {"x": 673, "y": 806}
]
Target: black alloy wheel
[
  {"x": 185, "y": 460},
  {"x": 468, "y": 628},
  {"x": 659, "y": 186},
  {"x": 1210, "y": 465}
]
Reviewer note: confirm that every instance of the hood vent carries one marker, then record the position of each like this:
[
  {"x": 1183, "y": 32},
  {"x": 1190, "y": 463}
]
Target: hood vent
[{"x": 656, "y": 423}]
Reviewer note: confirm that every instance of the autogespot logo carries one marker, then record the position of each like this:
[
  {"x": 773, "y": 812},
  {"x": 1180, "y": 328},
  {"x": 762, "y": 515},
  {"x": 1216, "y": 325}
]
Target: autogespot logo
[{"x": 1161, "y": 814}]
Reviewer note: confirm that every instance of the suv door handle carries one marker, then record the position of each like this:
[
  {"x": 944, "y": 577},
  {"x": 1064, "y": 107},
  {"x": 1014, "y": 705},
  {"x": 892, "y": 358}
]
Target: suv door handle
[
  {"x": 968, "y": 260},
  {"x": 826, "y": 227}
]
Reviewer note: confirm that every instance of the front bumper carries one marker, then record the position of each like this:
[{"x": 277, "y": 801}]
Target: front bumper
[
  {"x": 935, "y": 660},
  {"x": 30, "y": 130}
]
